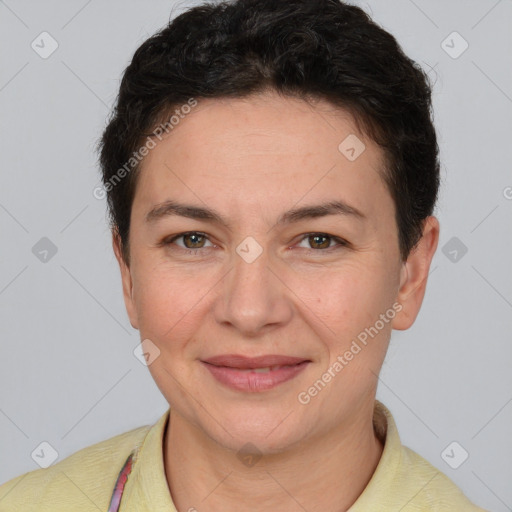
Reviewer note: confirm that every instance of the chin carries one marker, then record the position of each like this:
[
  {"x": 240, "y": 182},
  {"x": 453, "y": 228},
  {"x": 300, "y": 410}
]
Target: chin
[{"x": 270, "y": 433}]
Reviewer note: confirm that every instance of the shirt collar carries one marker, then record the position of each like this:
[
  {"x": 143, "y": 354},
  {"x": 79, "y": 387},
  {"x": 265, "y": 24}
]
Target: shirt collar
[
  {"x": 147, "y": 488},
  {"x": 377, "y": 489}
]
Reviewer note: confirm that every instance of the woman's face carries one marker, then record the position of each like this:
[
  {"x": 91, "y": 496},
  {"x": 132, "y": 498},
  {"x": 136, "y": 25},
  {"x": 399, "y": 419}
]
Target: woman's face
[{"x": 264, "y": 281}]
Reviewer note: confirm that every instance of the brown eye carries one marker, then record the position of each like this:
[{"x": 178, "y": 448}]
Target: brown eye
[
  {"x": 191, "y": 240},
  {"x": 196, "y": 240},
  {"x": 319, "y": 241}
]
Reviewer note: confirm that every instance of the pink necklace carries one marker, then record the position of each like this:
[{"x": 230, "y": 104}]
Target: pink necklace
[{"x": 117, "y": 494}]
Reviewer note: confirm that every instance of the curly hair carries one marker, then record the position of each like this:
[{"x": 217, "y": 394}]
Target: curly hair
[{"x": 322, "y": 49}]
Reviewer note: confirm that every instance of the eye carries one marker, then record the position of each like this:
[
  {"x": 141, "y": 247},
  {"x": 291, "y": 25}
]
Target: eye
[
  {"x": 192, "y": 240},
  {"x": 322, "y": 241}
]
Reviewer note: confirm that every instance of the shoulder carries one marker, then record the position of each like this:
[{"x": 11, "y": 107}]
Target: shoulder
[
  {"x": 82, "y": 481},
  {"x": 404, "y": 480},
  {"x": 434, "y": 490}
]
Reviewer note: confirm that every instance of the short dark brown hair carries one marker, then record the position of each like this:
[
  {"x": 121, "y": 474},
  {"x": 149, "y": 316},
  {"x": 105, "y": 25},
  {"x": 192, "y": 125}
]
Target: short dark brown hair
[{"x": 306, "y": 49}]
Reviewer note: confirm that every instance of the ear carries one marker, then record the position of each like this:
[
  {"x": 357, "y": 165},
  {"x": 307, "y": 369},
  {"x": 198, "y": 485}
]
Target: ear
[
  {"x": 126, "y": 279},
  {"x": 414, "y": 275}
]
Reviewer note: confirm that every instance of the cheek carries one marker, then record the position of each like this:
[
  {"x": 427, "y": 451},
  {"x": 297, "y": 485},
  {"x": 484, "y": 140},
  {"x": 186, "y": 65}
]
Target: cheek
[
  {"x": 166, "y": 301},
  {"x": 341, "y": 298},
  {"x": 342, "y": 303}
]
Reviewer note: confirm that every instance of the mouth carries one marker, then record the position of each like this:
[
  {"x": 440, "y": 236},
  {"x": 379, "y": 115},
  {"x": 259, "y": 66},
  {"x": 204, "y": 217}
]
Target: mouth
[{"x": 254, "y": 374}]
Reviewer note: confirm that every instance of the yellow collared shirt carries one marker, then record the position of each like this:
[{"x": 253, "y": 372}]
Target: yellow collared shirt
[{"x": 84, "y": 481}]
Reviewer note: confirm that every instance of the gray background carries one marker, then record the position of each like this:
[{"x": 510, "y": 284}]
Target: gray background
[{"x": 68, "y": 375}]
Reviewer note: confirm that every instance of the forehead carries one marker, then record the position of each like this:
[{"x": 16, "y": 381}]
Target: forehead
[
  {"x": 263, "y": 124},
  {"x": 265, "y": 149}
]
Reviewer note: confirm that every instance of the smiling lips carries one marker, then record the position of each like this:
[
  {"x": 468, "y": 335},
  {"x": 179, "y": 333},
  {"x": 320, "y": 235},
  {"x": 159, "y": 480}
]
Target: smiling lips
[{"x": 254, "y": 374}]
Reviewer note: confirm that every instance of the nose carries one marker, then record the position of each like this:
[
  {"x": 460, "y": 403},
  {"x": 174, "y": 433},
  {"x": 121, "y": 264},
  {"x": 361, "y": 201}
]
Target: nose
[{"x": 253, "y": 298}]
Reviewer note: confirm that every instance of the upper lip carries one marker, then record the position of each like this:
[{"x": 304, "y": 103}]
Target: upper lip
[{"x": 244, "y": 363}]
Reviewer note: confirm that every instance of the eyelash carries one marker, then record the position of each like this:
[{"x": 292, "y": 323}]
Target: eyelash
[{"x": 341, "y": 243}]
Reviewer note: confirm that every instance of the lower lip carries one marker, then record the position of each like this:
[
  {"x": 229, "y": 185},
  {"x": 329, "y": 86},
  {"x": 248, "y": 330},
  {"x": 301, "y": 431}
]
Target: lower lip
[{"x": 252, "y": 381}]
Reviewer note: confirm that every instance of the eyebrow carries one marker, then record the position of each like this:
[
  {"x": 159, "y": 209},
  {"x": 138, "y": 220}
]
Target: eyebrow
[{"x": 170, "y": 208}]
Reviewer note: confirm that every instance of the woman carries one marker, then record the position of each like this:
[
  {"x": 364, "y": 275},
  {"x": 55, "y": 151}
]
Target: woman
[{"x": 271, "y": 171}]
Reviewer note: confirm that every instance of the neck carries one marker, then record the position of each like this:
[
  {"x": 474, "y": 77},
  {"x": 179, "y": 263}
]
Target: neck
[{"x": 324, "y": 474}]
